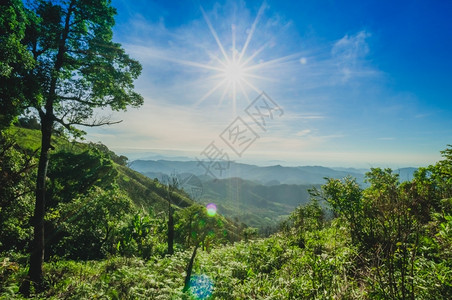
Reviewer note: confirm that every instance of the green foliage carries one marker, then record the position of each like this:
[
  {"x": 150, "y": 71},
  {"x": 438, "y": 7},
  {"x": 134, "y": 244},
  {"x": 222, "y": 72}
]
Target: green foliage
[
  {"x": 120, "y": 160},
  {"x": 72, "y": 174},
  {"x": 15, "y": 61},
  {"x": 391, "y": 240},
  {"x": 17, "y": 171},
  {"x": 78, "y": 66},
  {"x": 115, "y": 278},
  {"x": 345, "y": 198},
  {"x": 87, "y": 227},
  {"x": 396, "y": 228},
  {"x": 148, "y": 193},
  {"x": 193, "y": 226},
  {"x": 142, "y": 236},
  {"x": 306, "y": 218},
  {"x": 78, "y": 69}
]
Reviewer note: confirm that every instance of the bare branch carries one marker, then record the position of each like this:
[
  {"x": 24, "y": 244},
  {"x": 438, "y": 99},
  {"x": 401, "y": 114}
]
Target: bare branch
[
  {"x": 80, "y": 100},
  {"x": 95, "y": 123}
]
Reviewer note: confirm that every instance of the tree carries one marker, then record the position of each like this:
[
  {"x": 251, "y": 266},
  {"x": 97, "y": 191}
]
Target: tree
[
  {"x": 309, "y": 217},
  {"x": 345, "y": 198},
  {"x": 203, "y": 229},
  {"x": 78, "y": 69},
  {"x": 17, "y": 173},
  {"x": 87, "y": 227},
  {"x": 172, "y": 185}
]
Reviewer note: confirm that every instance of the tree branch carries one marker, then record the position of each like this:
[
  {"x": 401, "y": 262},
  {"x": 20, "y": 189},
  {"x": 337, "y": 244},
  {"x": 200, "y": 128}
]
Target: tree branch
[
  {"x": 69, "y": 124},
  {"x": 90, "y": 103},
  {"x": 95, "y": 124}
]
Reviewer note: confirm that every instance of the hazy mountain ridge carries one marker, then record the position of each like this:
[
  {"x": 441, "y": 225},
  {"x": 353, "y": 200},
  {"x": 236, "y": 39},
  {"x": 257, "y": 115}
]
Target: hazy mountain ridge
[{"x": 268, "y": 175}]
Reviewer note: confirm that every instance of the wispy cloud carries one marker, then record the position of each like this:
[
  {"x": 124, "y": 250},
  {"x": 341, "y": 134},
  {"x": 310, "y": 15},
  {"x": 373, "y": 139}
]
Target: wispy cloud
[
  {"x": 349, "y": 54},
  {"x": 303, "y": 132}
]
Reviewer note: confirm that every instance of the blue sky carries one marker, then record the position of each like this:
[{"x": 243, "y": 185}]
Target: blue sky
[{"x": 360, "y": 83}]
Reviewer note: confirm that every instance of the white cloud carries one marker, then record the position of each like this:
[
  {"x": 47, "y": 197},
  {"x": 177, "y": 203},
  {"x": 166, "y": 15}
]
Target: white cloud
[
  {"x": 349, "y": 55},
  {"x": 164, "y": 126},
  {"x": 352, "y": 47}
]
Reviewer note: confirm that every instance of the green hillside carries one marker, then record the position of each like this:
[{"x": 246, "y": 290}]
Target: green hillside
[
  {"x": 96, "y": 205},
  {"x": 144, "y": 192},
  {"x": 108, "y": 230}
]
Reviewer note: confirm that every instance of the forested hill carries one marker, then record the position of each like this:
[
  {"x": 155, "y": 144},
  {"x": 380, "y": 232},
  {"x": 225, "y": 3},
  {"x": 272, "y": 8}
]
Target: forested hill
[
  {"x": 96, "y": 205},
  {"x": 108, "y": 232},
  {"x": 74, "y": 160}
]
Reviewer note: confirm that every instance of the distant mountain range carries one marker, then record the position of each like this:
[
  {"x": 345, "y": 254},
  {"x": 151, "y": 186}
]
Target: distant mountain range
[
  {"x": 270, "y": 175},
  {"x": 258, "y": 196}
]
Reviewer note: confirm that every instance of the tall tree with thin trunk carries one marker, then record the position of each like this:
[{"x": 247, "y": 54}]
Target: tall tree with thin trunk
[
  {"x": 78, "y": 69},
  {"x": 172, "y": 185}
]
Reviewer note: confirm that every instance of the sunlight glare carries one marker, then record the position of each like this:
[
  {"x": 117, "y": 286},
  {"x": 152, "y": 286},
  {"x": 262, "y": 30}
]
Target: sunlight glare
[{"x": 234, "y": 72}]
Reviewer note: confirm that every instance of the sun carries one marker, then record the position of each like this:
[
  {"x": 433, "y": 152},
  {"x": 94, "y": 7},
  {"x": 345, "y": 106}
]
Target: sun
[{"x": 234, "y": 72}]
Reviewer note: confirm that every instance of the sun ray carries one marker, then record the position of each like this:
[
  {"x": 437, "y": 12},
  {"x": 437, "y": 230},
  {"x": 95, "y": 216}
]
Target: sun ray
[
  {"x": 236, "y": 72},
  {"x": 223, "y": 95},
  {"x": 244, "y": 92},
  {"x": 214, "y": 33},
  {"x": 250, "y": 75},
  {"x": 250, "y": 34},
  {"x": 194, "y": 64},
  {"x": 233, "y": 42},
  {"x": 252, "y": 86},
  {"x": 219, "y": 60},
  {"x": 278, "y": 60},
  {"x": 234, "y": 99},
  {"x": 210, "y": 92},
  {"x": 185, "y": 62},
  {"x": 257, "y": 52}
]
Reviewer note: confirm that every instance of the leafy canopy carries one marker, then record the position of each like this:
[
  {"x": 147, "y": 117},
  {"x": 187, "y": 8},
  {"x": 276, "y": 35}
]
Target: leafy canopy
[
  {"x": 15, "y": 60},
  {"x": 79, "y": 67}
]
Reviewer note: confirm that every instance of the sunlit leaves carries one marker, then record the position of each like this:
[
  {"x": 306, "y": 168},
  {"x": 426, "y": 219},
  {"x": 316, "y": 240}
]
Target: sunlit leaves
[{"x": 15, "y": 61}]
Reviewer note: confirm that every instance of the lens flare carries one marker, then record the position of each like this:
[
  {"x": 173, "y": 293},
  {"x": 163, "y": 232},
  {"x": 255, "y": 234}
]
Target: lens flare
[
  {"x": 201, "y": 286},
  {"x": 211, "y": 209}
]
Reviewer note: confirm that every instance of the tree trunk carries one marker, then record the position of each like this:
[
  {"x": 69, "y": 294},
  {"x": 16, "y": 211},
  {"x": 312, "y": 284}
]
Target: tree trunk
[
  {"x": 190, "y": 268},
  {"x": 35, "y": 275},
  {"x": 170, "y": 229}
]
